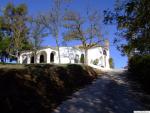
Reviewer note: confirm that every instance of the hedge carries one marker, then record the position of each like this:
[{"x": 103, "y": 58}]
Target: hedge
[{"x": 139, "y": 68}]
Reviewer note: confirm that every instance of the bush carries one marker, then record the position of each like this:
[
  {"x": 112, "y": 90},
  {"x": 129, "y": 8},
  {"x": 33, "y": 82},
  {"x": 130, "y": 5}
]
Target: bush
[
  {"x": 82, "y": 58},
  {"x": 111, "y": 62},
  {"x": 95, "y": 62},
  {"x": 139, "y": 67}
]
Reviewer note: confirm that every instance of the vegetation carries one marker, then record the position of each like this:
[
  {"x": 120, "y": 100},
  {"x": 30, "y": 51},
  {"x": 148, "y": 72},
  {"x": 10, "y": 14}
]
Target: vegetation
[
  {"x": 95, "y": 62},
  {"x": 4, "y": 43},
  {"x": 111, "y": 62},
  {"x": 39, "y": 88},
  {"x": 133, "y": 26},
  {"x": 52, "y": 21},
  {"x": 14, "y": 31},
  {"x": 36, "y": 33},
  {"x": 139, "y": 70},
  {"x": 132, "y": 20},
  {"x": 82, "y": 58},
  {"x": 21, "y": 32},
  {"x": 89, "y": 36},
  {"x": 14, "y": 22}
]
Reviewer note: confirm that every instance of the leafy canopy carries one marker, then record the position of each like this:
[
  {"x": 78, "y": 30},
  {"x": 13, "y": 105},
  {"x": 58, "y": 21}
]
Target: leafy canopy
[
  {"x": 133, "y": 24},
  {"x": 14, "y": 30}
]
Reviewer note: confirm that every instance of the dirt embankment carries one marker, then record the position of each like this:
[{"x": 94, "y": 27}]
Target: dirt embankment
[{"x": 40, "y": 88}]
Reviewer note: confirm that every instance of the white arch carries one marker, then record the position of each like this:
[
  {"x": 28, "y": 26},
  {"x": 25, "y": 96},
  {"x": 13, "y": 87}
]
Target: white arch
[{"x": 40, "y": 54}]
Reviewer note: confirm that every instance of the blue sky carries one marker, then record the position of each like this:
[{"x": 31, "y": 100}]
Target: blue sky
[{"x": 39, "y": 6}]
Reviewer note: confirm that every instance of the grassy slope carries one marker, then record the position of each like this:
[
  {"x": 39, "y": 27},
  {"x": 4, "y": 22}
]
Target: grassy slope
[{"x": 39, "y": 88}]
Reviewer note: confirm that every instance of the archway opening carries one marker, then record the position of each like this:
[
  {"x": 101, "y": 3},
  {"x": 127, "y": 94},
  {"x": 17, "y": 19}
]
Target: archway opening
[
  {"x": 52, "y": 57},
  {"x": 41, "y": 58},
  {"x": 32, "y": 60}
]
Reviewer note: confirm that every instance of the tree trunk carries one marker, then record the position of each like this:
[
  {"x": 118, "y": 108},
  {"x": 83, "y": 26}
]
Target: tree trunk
[
  {"x": 58, "y": 49},
  {"x": 18, "y": 60},
  {"x": 35, "y": 56},
  {"x": 17, "y": 56},
  {"x": 86, "y": 55}
]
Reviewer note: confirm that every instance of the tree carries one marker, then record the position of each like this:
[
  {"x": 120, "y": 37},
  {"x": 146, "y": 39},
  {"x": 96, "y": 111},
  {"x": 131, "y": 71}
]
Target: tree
[
  {"x": 4, "y": 43},
  {"x": 111, "y": 62},
  {"x": 84, "y": 29},
  {"x": 37, "y": 33},
  {"x": 53, "y": 21},
  {"x": 14, "y": 25},
  {"x": 133, "y": 24}
]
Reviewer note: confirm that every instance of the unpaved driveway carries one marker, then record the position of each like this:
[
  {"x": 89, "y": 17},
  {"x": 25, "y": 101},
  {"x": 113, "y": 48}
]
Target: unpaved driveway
[{"x": 108, "y": 94}]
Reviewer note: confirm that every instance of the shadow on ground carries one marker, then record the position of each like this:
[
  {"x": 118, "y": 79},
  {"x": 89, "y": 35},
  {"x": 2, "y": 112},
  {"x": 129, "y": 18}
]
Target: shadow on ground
[{"x": 108, "y": 94}]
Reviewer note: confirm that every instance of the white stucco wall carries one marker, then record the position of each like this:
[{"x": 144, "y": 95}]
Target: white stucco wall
[
  {"x": 46, "y": 52},
  {"x": 24, "y": 58},
  {"x": 68, "y": 55},
  {"x": 97, "y": 53}
]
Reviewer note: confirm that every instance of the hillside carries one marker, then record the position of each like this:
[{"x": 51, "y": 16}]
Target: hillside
[{"x": 40, "y": 88}]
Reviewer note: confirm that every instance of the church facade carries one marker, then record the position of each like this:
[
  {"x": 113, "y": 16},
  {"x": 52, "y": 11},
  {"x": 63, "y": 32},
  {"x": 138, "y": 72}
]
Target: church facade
[{"x": 96, "y": 56}]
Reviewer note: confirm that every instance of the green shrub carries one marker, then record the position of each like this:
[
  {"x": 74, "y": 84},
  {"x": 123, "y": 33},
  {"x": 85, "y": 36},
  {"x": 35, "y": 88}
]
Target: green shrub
[
  {"x": 111, "y": 62},
  {"x": 139, "y": 67},
  {"x": 82, "y": 58},
  {"x": 95, "y": 62}
]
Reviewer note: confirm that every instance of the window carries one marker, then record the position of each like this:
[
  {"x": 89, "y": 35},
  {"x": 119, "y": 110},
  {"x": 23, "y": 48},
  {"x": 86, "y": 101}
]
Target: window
[{"x": 104, "y": 52}]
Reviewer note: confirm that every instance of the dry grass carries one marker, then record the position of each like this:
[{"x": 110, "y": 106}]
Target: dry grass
[{"x": 12, "y": 66}]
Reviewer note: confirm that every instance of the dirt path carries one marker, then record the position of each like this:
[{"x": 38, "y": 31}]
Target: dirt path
[{"x": 108, "y": 94}]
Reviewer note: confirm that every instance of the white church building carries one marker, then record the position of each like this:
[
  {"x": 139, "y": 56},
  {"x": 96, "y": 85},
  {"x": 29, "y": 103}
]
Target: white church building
[{"x": 97, "y": 57}]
